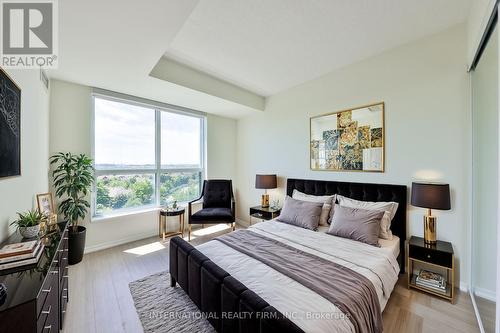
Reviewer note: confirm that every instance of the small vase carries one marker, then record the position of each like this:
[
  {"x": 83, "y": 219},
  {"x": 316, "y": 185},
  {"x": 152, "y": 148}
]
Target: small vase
[{"x": 29, "y": 232}]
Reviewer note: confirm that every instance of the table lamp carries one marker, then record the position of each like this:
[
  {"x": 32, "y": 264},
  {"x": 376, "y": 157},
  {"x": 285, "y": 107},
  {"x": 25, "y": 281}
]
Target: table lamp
[
  {"x": 430, "y": 196},
  {"x": 265, "y": 182}
]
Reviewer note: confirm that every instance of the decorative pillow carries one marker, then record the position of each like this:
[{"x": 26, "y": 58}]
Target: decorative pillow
[
  {"x": 390, "y": 209},
  {"x": 357, "y": 224},
  {"x": 327, "y": 201},
  {"x": 303, "y": 214}
]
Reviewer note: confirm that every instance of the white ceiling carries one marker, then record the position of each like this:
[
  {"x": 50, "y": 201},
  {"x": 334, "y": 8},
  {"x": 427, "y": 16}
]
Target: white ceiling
[
  {"x": 264, "y": 46},
  {"x": 114, "y": 45},
  {"x": 267, "y": 46}
]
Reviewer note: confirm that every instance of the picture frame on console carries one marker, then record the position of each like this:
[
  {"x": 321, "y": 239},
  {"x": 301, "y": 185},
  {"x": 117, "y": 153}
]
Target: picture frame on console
[{"x": 45, "y": 203}]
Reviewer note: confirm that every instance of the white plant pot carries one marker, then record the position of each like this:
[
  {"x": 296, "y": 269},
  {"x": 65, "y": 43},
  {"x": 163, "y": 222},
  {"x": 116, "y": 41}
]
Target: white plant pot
[{"x": 29, "y": 232}]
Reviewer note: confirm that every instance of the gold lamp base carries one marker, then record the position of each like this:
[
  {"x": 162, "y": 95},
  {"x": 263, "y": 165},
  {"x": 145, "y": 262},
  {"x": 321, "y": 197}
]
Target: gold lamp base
[
  {"x": 264, "y": 202},
  {"x": 430, "y": 229}
]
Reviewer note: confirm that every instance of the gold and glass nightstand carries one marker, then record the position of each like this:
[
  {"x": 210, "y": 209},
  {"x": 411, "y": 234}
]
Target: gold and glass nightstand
[
  {"x": 262, "y": 213},
  {"x": 162, "y": 223},
  {"x": 438, "y": 258}
]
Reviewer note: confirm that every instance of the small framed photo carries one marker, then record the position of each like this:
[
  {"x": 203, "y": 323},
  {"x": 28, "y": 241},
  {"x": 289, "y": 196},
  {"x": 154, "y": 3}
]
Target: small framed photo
[{"x": 45, "y": 203}]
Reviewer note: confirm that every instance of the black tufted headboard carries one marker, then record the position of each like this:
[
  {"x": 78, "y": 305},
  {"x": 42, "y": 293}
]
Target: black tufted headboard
[{"x": 365, "y": 192}]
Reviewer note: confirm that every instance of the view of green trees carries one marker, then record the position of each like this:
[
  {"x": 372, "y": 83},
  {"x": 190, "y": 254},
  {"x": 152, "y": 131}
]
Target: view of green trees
[{"x": 128, "y": 191}]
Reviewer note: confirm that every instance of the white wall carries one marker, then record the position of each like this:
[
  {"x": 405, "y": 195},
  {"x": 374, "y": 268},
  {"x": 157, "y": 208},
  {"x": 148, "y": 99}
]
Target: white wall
[
  {"x": 18, "y": 194},
  {"x": 70, "y": 120},
  {"x": 425, "y": 87},
  {"x": 221, "y": 147}
]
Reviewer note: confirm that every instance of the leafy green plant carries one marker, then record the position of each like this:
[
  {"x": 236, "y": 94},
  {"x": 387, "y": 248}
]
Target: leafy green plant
[
  {"x": 31, "y": 218},
  {"x": 73, "y": 177}
]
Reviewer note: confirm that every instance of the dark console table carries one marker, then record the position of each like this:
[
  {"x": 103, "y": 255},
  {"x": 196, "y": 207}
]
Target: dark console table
[{"x": 37, "y": 295}]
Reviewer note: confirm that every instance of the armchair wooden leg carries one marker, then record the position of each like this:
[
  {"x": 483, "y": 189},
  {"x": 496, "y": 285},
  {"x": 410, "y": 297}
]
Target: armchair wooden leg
[
  {"x": 202, "y": 226},
  {"x": 234, "y": 225},
  {"x": 189, "y": 233}
]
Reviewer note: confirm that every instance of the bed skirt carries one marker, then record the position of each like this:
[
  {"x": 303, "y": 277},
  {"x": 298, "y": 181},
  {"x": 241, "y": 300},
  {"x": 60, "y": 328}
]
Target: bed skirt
[{"x": 227, "y": 304}]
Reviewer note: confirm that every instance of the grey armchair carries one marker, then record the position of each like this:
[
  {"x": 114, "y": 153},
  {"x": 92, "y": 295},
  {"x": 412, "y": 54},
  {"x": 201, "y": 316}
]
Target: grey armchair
[{"x": 218, "y": 204}]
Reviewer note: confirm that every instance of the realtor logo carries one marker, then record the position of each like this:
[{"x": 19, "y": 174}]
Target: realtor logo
[{"x": 29, "y": 34}]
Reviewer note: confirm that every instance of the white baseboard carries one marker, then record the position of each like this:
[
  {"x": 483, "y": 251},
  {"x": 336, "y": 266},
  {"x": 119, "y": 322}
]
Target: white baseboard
[
  {"x": 242, "y": 223},
  {"x": 463, "y": 286},
  {"x": 116, "y": 242},
  {"x": 486, "y": 294}
]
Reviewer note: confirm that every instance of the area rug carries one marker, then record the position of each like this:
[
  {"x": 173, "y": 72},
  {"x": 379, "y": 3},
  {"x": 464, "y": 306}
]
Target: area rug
[{"x": 162, "y": 308}]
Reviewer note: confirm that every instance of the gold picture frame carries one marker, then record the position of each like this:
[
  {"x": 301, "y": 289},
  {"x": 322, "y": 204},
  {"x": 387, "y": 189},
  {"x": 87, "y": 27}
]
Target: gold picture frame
[
  {"x": 45, "y": 203},
  {"x": 348, "y": 140}
]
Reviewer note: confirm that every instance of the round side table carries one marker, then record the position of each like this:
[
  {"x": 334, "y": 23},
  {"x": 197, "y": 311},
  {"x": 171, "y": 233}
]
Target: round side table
[{"x": 162, "y": 222}]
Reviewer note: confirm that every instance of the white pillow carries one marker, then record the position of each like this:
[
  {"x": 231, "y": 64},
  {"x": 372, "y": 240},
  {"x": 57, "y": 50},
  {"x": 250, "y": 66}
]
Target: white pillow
[
  {"x": 390, "y": 209},
  {"x": 327, "y": 201}
]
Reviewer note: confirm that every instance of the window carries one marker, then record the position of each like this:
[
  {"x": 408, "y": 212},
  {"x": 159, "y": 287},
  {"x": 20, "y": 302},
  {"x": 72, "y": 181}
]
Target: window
[{"x": 144, "y": 156}]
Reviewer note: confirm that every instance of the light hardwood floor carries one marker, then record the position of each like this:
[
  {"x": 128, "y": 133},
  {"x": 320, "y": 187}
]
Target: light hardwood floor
[
  {"x": 100, "y": 299},
  {"x": 487, "y": 311}
]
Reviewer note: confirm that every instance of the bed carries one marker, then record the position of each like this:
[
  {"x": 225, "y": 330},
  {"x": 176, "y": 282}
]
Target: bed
[{"x": 242, "y": 292}]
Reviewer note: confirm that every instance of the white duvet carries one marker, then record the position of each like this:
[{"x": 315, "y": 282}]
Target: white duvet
[{"x": 307, "y": 309}]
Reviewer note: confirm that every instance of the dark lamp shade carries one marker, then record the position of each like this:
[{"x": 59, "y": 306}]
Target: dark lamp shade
[
  {"x": 265, "y": 181},
  {"x": 431, "y": 195}
]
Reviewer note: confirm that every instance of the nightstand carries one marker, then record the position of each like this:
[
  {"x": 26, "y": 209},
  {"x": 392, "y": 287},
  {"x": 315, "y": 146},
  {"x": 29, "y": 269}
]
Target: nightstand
[
  {"x": 438, "y": 258},
  {"x": 261, "y": 213}
]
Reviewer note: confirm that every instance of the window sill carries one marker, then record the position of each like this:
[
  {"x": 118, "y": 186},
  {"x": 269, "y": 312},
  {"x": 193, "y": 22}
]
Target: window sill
[
  {"x": 123, "y": 214},
  {"x": 113, "y": 216}
]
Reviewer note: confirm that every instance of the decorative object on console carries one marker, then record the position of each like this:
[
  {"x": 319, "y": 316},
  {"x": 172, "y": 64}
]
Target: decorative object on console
[
  {"x": 45, "y": 203},
  {"x": 10, "y": 126},
  {"x": 348, "y": 140},
  {"x": 430, "y": 196},
  {"x": 28, "y": 223},
  {"x": 265, "y": 182},
  {"x": 17, "y": 256},
  {"x": 73, "y": 175},
  {"x": 46, "y": 206}
]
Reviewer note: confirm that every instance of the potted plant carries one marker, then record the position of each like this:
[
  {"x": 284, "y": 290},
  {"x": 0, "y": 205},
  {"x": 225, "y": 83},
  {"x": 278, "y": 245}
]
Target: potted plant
[
  {"x": 73, "y": 177},
  {"x": 28, "y": 223}
]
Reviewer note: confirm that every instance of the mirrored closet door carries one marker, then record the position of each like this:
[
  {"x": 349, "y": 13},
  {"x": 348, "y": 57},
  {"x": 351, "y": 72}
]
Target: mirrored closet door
[{"x": 485, "y": 134}]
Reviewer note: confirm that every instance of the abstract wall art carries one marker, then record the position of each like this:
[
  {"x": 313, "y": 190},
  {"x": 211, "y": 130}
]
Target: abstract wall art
[
  {"x": 10, "y": 127},
  {"x": 349, "y": 140}
]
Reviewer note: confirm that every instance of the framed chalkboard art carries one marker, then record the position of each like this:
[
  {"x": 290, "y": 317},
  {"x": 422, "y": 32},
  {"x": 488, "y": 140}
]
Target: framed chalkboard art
[{"x": 10, "y": 127}]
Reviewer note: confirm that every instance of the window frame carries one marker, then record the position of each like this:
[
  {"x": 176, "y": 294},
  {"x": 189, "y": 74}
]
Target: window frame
[{"x": 157, "y": 170}]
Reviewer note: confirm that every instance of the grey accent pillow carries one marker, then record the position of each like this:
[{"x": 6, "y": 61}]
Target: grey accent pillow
[
  {"x": 390, "y": 209},
  {"x": 301, "y": 213},
  {"x": 327, "y": 201},
  {"x": 357, "y": 224}
]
